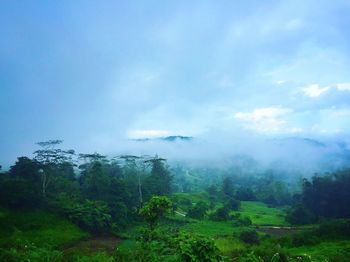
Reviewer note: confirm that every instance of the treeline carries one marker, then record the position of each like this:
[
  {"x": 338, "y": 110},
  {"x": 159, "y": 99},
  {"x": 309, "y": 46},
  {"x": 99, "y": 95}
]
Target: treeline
[
  {"x": 97, "y": 193},
  {"x": 266, "y": 188},
  {"x": 325, "y": 196}
]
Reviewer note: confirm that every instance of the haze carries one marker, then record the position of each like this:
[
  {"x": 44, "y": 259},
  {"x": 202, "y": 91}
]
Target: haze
[{"x": 233, "y": 75}]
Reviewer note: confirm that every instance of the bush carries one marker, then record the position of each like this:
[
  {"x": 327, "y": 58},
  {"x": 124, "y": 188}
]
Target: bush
[
  {"x": 249, "y": 236},
  {"x": 268, "y": 251},
  {"x": 221, "y": 214},
  {"x": 91, "y": 215},
  {"x": 155, "y": 209},
  {"x": 194, "y": 248},
  {"x": 98, "y": 257},
  {"x": 198, "y": 211},
  {"x": 241, "y": 221},
  {"x": 27, "y": 251},
  {"x": 300, "y": 215},
  {"x": 334, "y": 228},
  {"x": 232, "y": 204}
]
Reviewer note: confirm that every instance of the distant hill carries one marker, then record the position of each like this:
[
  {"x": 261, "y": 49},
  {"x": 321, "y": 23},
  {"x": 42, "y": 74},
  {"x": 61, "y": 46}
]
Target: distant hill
[
  {"x": 300, "y": 140},
  {"x": 166, "y": 138}
]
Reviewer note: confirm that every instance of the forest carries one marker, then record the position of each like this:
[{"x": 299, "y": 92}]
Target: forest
[{"x": 59, "y": 205}]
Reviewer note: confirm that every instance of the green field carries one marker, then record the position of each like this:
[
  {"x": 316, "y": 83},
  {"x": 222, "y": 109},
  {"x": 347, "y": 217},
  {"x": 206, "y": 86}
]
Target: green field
[
  {"x": 210, "y": 228},
  {"x": 261, "y": 214},
  {"x": 258, "y": 212}
]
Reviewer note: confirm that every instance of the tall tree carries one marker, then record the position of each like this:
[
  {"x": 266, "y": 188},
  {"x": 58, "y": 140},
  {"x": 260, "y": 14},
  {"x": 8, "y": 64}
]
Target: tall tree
[
  {"x": 50, "y": 157},
  {"x": 159, "y": 181}
]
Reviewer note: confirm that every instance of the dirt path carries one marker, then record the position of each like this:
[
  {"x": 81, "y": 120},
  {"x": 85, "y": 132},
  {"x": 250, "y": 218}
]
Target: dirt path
[
  {"x": 279, "y": 231},
  {"x": 94, "y": 244}
]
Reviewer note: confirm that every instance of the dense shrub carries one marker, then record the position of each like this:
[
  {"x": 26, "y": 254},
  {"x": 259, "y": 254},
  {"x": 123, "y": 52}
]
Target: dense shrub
[
  {"x": 27, "y": 251},
  {"x": 194, "y": 248},
  {"x": 221, "y": 214},
  {"x": 232, "y": 204},
  {"x": 339, "y": 228},
  {"x": 198, "y": 211},
  {"x": 155, "y": 209},
  {"x": 300, "y": 215},
  {"x": 91, "y": 215},
  {"x": 249, "y": 236},
  {"x": 238, "y": 220}
]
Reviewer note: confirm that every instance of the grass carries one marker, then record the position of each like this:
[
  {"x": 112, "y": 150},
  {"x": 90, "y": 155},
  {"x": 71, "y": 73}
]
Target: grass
[
  {"x": 229, "y": 245},
  {"x": 182, "y": 199},
  {"x": 38, "y": 227},
  {"x": 258, "y": 212},
  {"x": 194, "y": 197},
  {"x": 261, "y": 214},
  {"x": 212, "y": 228},
  {"x": 326, "y": 251}
]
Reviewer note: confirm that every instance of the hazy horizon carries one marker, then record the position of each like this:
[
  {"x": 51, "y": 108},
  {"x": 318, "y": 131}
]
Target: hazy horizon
[{"x": 231, "y": 74}]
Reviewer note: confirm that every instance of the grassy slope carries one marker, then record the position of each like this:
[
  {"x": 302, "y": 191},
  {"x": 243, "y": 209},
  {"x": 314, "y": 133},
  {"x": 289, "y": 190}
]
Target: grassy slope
[
  {"x": 38, "y": 227},
  {"x": 261, "y": 214},
  {"x": 258, "y": 212}
]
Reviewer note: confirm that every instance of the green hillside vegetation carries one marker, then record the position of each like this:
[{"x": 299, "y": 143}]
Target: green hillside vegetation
[
  {"x": 261, "y": 214},
  {"x": 63, "y": 206}
]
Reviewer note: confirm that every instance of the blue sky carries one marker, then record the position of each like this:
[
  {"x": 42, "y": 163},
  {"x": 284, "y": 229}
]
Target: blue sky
[{"x": 96, "y": 72}]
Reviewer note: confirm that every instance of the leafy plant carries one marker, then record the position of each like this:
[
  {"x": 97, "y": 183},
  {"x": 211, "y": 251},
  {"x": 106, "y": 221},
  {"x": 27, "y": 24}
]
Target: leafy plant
[
  {"x": 195, "y": 248},
  {"x": 155, "y": 209}
]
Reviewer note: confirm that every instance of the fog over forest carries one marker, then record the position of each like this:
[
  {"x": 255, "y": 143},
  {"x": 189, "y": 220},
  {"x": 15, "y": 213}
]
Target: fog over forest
[{"x": 175, "y": 131}]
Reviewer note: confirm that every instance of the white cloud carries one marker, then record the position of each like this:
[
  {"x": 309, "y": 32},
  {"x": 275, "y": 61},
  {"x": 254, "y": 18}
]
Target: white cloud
[
  {"x": 267, "y": 120},
  {"x": 314, "y": 90},
  {"x": 147, "y": 133},
  {"x": 343, "y": 86}
]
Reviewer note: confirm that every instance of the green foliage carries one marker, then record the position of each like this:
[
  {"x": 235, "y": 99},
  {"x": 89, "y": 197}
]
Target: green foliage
[
  {"x": 245, "y": 194},
  {"x": 324, "y": 196},
  {"x": 227, "y": 188},
  {"x": 221, "y": 214},
  {"x": 209, "y": 228},
  {"x": 238, "y": 220},
  {"x": 249, "y": 236},
  {"x": 38, "y": 227},
  {"x": 334, "y": 229},
  {"x": 95, "y": 181},
  {"x": 272, "y": 252},
  {"x": 198, "y": 211},
  {"x": 35, "y": 236},
  {"x": 232, "y": 204},
  {"x": 338, "y": 251},
  {"x": 300, "y": 215},
  {"x": 98, "y": 257},
  {"x": 21, "y": 186},
  {"x": 155, "y": 209},
  {"x": 194, "y": 248},
  {"x": 229, "y": 246},
  {"x": 91, "y": 215},
  {"x": 153, "y": 245},
  {"x": 159, "y": 181},
  {"x": 249, "y": 257},
  {"x": 30, "y": 252}
]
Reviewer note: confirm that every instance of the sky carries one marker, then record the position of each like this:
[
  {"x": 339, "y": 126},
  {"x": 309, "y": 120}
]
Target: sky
[{"x": 96, "y": 73}]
